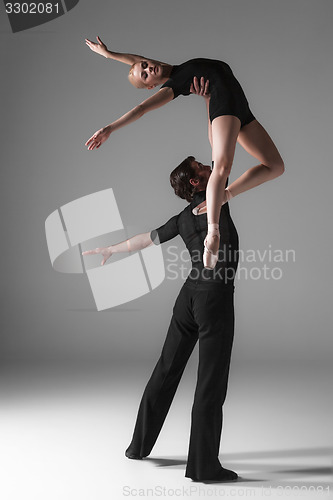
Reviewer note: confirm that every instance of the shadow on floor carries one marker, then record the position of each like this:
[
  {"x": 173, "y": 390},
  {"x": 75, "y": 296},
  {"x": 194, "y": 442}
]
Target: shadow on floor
[{"x": 259, "y": 467}]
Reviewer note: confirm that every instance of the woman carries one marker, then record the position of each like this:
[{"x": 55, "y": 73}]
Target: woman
[
  {"x": 230, "y": 120},
  {"x": 204, "y": 313}
]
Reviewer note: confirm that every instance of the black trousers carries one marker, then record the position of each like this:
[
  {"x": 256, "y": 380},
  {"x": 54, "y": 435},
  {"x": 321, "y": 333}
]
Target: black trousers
[{"x": 204, "y": 312}]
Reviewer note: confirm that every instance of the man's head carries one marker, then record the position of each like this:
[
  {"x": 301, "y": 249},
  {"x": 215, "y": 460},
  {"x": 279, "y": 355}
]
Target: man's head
[
  {"x": 146, "y": 74},
  {"x": 189, "y": 177}
]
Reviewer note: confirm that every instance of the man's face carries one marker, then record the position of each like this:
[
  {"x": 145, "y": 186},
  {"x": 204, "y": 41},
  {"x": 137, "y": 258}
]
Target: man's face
[{"x": 202, "y": 173}]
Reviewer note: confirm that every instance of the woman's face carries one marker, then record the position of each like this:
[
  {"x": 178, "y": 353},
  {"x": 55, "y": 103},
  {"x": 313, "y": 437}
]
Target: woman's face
[{"x": 149, "y": 73}]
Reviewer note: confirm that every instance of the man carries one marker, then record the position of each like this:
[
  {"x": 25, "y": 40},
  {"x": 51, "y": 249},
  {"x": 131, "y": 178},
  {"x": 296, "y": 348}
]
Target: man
[{"x": 203, "y": 312}]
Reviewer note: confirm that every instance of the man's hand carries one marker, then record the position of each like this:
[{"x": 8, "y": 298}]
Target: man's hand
[
  {"x": 98, "y": 138},
  {"x": 106, "y": 252},
  {"x": 100, "y": 47},
  {"x": 200, "y": 89}
]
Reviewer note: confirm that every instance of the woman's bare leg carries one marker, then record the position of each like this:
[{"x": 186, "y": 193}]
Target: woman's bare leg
[
  {"x": 256, "y": 141},
  {"x": 225, "y": 131}
]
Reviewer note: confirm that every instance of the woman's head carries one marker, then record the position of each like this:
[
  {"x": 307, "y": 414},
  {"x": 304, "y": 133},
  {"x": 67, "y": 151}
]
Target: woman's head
[
  {"x": 146, "y": 74},
  {"x": 189, "y": 177}
]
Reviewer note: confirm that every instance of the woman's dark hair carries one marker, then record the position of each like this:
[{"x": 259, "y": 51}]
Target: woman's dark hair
[{"x": 180, "y": 179}]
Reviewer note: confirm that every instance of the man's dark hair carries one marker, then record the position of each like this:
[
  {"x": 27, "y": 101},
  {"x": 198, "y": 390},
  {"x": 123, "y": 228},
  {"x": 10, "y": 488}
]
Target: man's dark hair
[{"x": 180, "y": 179}]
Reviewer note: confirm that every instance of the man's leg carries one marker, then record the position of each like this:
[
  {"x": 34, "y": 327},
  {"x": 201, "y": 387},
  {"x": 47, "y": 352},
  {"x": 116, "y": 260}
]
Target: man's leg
[
  {"x": 160, "y": 390},
  {"x": 214, "y": 313}
]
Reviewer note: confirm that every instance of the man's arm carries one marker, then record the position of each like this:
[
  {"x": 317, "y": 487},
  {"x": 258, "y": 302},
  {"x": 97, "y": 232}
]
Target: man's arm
[
  {"x": 137, "y": 242},
  {"x": 210, "y": 135},
  {"x": 203, "y": 90}
]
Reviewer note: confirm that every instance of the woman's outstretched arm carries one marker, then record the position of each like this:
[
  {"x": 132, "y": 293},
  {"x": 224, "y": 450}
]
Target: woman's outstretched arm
[
  {"x": 101, "y": 49},
  {"x": 163, "y": 96},
  {"x": 137, "y": 242}
]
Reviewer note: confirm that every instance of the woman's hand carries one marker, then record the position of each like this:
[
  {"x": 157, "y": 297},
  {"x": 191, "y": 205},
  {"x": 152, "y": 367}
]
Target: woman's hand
[
  {"x": 98, "y": 138},
  {"x": 200, "y": 89},
  {"x": 106, "y": 252},
  {"x": 100, "y": 47}
]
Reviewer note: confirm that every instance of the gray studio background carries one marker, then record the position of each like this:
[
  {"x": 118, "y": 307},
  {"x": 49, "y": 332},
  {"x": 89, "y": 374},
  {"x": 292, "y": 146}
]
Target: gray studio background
[{"x": 56, "y": 93}]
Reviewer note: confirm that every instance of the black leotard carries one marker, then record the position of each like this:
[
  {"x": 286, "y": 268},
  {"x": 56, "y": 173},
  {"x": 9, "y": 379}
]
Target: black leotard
[
  {"x": 193, "y": 229},
  {"x": 227, "y": 96}
]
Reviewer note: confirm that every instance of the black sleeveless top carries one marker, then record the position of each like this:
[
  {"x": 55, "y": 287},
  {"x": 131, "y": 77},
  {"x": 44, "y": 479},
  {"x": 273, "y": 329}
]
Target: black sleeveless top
[
  {"x": 193, "y": 229},
  {"x": 227, "y": 96}
]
